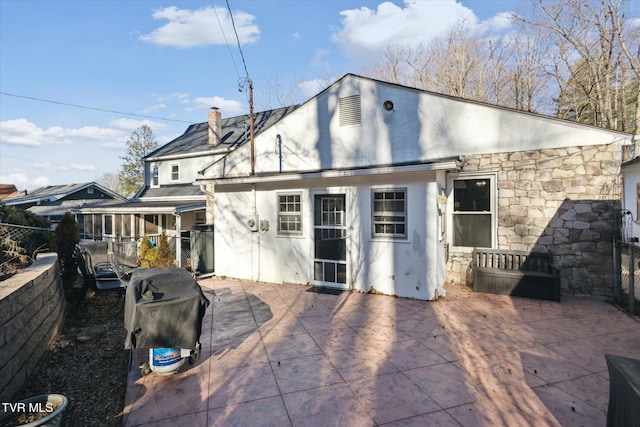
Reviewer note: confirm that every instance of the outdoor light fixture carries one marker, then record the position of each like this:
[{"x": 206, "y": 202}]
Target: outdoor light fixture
[{"x": 388, "y": 105}]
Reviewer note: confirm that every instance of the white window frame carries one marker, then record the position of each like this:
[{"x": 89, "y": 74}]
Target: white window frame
[
  {"x": 493, "y": 205},
  {"x": 294, "y": 213},
  {"x": 171, "y": 174},
  {"x": 374, "y": 213}
]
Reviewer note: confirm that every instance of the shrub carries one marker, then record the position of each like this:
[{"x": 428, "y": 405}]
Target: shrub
[
  {"x": 67, "y": 236},
  {"x": 153, "y": 257},
  {"x": 165, "y": 256},
  {"x": 147, "y": 254},
  {"x": 35, "y": 240}
]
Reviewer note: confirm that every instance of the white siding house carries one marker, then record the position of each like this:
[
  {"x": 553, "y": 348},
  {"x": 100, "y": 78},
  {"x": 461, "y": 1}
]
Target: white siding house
[{"x": 374, "y": 186}]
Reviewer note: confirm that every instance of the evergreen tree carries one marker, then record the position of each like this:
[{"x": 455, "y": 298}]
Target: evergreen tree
[
  {"x": 67, "y": 236},
  {"x": 165, "y": 256},
  {"x": 147, "y": 254},
  {"x": 141, "y": 143}
]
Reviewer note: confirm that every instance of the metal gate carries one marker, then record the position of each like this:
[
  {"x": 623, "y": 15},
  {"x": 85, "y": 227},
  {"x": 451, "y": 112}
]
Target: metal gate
[{"x": 626, "y": 286}]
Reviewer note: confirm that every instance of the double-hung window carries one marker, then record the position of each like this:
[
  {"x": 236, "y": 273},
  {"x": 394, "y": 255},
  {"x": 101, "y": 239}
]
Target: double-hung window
[
  {"x": 473, "y": 211},
  {"x": 175, "y": 172},
  {"x": 154, "y": 176},
  {"x": 290, "y": 213},
  {"x": 389, "y": 211}
]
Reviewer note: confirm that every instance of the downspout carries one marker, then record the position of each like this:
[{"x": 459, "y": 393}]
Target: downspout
[
  {"x": 279, "y": 141},
  {"x": 254, "y": 203},
  {"x": 178, "y": 237}
]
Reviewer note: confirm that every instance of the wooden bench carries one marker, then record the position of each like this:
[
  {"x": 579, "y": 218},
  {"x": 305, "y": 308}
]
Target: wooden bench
[{"x": 517, "y": 273}]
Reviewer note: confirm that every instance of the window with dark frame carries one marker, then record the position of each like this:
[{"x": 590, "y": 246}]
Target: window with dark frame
[
  {"x": 390, "y": 213},
  {"x": 472, "y": 212},
  {"x": 289, "y": 213}
]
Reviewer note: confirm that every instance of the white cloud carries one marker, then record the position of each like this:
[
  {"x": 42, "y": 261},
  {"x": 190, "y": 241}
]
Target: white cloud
[
  {"x": 366, "y": 32},
  {"x": 126, "y": 124},
  {"x": 50, "y": 167},
  {"x": 22, "y": 180},
  {"x": 202, "y": 27},
  {"x": 227, "y": 107},
  {"x": 311, "y": 88},
  {"x": 27, "y": 134}
]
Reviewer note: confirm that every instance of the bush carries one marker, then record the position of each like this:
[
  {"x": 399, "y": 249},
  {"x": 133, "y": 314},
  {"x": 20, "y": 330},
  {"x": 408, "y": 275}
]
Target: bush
[
  {"x": 147, "y": 254},
  {"x": 165, "y": 256},
  {"x": 35, "y": 240},
  {"x": 67, "y": 236},
  {"x": 154, "y": 257}
]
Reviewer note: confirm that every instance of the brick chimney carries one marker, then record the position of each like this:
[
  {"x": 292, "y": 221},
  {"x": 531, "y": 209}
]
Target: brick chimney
[{"x": 215, "y": 127}]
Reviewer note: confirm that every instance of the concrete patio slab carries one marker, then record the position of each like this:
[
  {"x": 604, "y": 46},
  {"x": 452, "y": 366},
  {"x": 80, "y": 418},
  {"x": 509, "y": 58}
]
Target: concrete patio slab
[{"x": 289, "y": 355}]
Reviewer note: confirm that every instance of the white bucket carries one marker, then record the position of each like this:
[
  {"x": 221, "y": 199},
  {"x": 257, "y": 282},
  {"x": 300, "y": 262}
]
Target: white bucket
[{"x": 165, "y": 361}]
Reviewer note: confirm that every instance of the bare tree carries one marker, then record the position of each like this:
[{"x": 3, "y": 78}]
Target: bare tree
[
  {"x": 109, "y": 180},
  {"x": 586, "y": 40}
]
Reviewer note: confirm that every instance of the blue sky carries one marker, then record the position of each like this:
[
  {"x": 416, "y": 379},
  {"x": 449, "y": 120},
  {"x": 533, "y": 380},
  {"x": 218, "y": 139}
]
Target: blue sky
[{"x": 172, "y": 61}]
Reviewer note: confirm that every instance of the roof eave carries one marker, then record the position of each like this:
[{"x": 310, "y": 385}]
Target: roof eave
[{"x": 451, "y": 164}]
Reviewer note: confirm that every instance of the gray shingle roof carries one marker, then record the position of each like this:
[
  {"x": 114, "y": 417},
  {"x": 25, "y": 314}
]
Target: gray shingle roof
[
  {"x": 235, "y": 131},
  {"x": 176, "y": 190}
]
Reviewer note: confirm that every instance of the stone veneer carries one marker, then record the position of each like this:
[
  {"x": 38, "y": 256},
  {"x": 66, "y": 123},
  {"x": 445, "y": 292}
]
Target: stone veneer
[
  {"x": 566, "y": 200},
  {"x": 31, "y": 315}
]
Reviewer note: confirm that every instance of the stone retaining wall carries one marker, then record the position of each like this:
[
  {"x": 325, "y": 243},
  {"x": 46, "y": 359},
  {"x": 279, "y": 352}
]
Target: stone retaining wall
[
  {"x": 566, "y": 200},
  {"x": 32, "y": 307}
]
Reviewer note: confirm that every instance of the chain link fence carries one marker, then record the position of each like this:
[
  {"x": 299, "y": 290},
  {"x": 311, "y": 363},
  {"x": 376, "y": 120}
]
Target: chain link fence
[
  {"x": 626, "y": 287},
  {"x": 20, "y": 245}
]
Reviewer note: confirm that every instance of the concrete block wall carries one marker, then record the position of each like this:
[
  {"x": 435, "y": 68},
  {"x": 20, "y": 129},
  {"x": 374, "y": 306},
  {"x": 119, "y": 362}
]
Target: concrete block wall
[
  {"x": 566, "y": 200},
  {"x": 32, "y": 306}
]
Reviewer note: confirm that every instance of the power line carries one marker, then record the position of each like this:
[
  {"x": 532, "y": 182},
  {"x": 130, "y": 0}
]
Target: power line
[
  {"x": 31, "y": 98},
  {"x": 224, "y": 35},
  {"x": 233, "y": 23}
]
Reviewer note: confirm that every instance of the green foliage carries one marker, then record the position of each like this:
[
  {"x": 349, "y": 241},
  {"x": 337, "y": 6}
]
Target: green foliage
[
  {"x": 165, "y": 256},
  {"x": 67, "y": 236},
  {"x": 155, "y": 257},
  {"x": 34, "y": 239},
  {"x": 146, "y": 253},
  {"x": 141, "y": 143}
]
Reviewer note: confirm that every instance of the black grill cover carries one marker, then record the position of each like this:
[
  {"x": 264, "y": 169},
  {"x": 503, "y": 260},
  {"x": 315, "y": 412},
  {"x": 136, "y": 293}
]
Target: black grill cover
[
  {"x": 624, "y": 391},
  {"x": 164, "y": 307}
]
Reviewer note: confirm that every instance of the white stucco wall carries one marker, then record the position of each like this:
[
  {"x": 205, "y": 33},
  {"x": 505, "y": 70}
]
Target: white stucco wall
[
  {"x": 413, "y": 267},
  {"x": 630, "y": 182},
  {"x": 422, "y": 126}
]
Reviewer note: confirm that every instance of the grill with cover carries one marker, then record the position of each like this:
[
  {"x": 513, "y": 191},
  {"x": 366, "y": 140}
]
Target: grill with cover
[{"x": 164, "y": 308}]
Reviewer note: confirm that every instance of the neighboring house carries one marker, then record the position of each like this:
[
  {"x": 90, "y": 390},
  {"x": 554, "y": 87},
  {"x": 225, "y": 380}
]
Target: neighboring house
[
  {"x": 168, "y": 201},
  {"x": 374, "y": 186},
  {"x": 8, "y": 190},
  {"x": 631, "y": 193},
  {"x": 53, "y": 201}
]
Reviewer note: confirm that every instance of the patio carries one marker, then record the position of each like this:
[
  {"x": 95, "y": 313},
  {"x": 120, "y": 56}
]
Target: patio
[{"x": 284, "y": 355}]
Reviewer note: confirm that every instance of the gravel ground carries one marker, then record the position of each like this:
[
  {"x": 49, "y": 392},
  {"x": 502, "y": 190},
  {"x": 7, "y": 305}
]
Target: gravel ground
[{"x": 87, "y": 362}]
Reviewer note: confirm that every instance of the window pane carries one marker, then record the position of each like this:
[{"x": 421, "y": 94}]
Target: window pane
[
  {"x": 472, "y": 195},
  {"x": 472, "y": 230},
  {"x": 289, "y": 216},
  {"x": 389, "y": 213},
  {"x": 342, "y": 273},
  {"x": 329, "y": 272}
]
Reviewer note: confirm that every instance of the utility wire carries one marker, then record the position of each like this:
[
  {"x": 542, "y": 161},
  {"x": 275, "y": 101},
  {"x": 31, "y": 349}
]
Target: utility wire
[
  {"x": 93, "y": 108},
  {"x": 226, "y": 42},
  {"x": 233, "y": 23}
]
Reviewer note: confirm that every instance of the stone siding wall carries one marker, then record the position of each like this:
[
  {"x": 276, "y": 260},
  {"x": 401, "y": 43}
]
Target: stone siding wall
[
  {"x": 566, "y": 200},
  {"x": 31, "y": 315}
]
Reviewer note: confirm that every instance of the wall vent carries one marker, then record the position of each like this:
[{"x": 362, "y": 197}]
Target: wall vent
[{"x": 350, "y": 111}]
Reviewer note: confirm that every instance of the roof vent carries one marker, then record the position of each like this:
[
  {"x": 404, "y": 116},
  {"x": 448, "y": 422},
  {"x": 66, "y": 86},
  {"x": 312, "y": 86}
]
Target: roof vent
[{"x": 350, "y": 110}]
